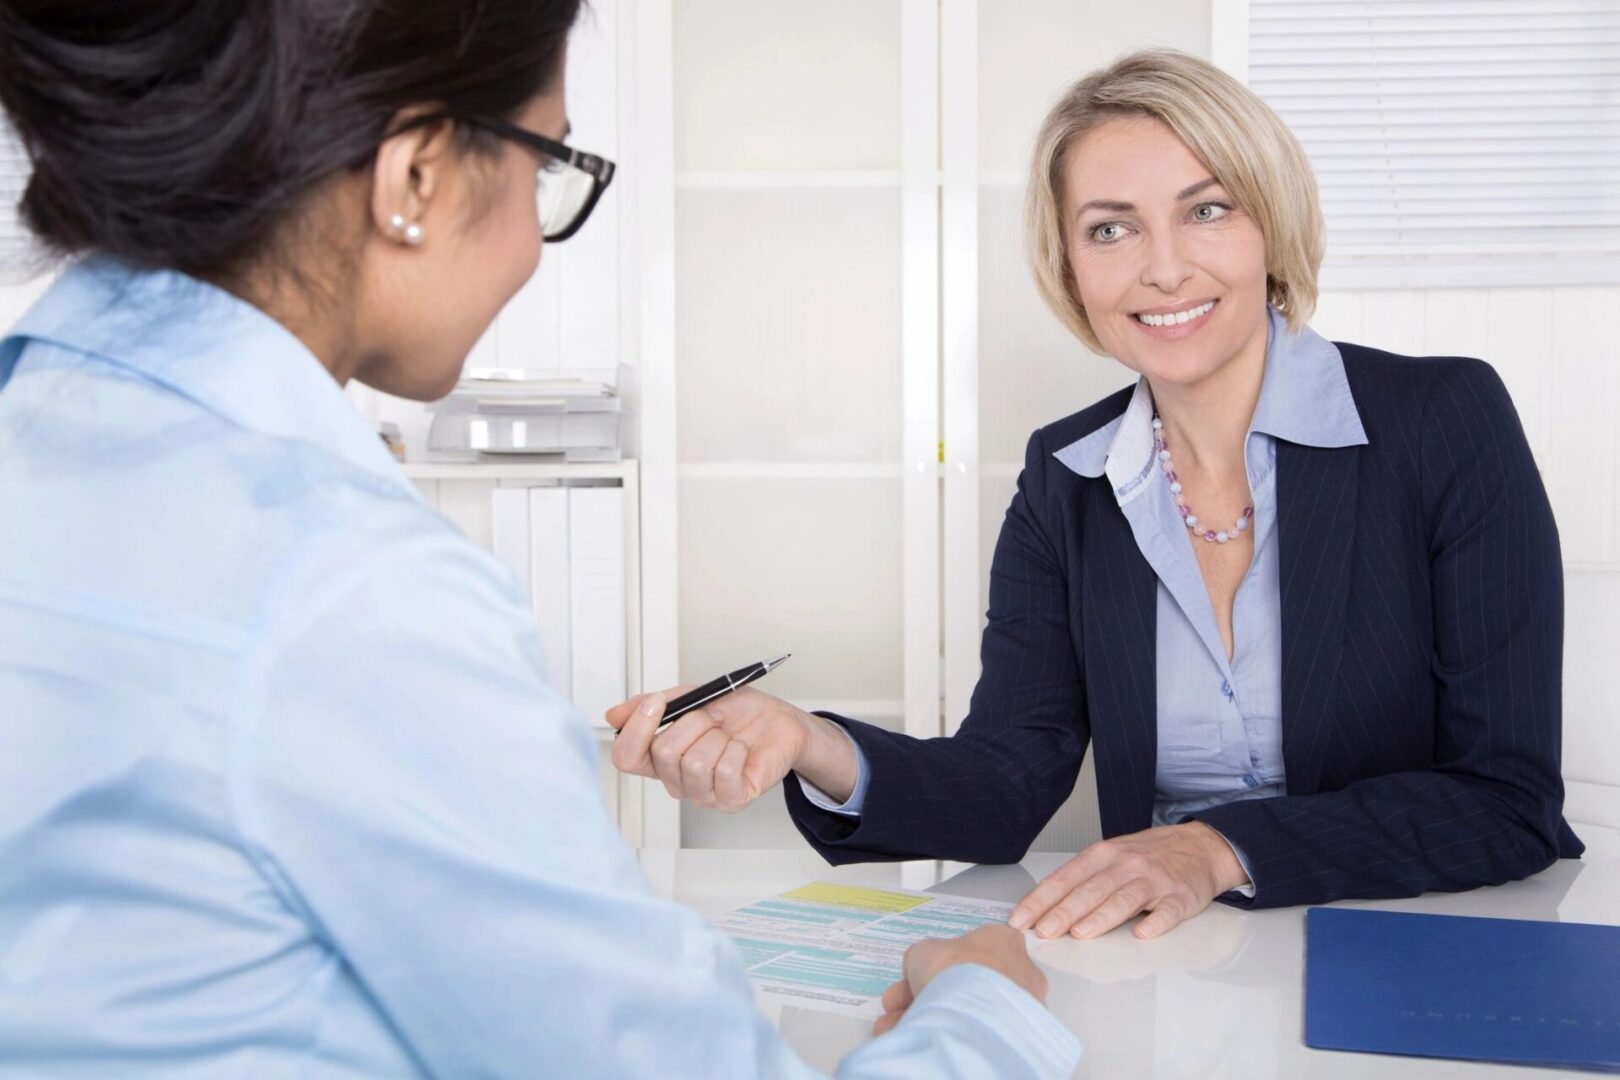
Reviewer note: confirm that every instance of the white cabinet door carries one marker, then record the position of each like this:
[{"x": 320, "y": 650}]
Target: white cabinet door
[{"x": 805, "y": 226}]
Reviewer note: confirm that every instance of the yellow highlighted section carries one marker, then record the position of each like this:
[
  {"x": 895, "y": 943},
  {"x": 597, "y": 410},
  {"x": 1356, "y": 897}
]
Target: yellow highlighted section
[{"x": 855, "y": 897}]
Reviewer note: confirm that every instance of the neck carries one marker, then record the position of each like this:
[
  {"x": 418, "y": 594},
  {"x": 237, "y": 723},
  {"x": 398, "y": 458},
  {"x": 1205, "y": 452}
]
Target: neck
[
  {"x": 319, "y": 327},
  {"x": 307, "y": 278},
  {"x": 1207, "y": 422}
]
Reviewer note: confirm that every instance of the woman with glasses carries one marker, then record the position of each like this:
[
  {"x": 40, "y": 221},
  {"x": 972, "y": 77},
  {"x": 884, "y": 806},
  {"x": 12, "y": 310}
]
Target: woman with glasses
[{"x": 282, "y": 792}]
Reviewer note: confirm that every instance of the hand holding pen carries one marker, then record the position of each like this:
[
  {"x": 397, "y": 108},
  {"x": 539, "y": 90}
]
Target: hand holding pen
[
  {"x": 714, "y": 688},
  {"x": 728, "y": 743}
]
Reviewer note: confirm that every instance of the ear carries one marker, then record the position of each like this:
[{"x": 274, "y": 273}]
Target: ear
[{"x": 408, "y": 177}]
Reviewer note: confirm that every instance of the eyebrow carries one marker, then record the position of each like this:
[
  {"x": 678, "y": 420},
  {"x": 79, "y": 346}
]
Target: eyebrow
[{"x": 1114, "y": 206}]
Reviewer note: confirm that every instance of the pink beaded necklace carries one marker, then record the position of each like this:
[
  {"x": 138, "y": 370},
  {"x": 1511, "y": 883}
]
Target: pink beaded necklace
[{"x": 1181, "y": 504}]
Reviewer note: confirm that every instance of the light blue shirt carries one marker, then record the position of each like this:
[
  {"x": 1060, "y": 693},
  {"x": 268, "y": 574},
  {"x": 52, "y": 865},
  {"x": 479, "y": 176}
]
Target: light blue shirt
[
  {"x": 281, "y": 790},
  {"x": 1219, "y": 721}
]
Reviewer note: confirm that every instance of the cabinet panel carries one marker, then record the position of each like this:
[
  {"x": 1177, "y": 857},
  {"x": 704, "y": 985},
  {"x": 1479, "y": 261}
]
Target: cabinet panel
[
  {"x": 782, "y": 84},
  {"x": 1030, "y": 50},
  {"x": 810, "y": 567},
  {"x": 788, "y": 325}
]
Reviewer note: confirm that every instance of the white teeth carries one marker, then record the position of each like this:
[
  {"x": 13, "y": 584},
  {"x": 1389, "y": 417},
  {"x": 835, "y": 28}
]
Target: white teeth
[{"x": 1179, "y": 317}]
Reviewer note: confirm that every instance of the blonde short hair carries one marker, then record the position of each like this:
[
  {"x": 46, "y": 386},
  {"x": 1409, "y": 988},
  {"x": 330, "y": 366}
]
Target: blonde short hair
[{"x": 1245, "y": 145}]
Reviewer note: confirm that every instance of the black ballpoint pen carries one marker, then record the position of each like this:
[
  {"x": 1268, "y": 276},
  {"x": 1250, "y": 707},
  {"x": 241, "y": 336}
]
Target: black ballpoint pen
[{"x": 725, "y": 684}]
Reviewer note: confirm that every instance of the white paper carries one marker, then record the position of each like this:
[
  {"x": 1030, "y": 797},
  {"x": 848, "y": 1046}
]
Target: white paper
[{"x": 836, "y": 948}]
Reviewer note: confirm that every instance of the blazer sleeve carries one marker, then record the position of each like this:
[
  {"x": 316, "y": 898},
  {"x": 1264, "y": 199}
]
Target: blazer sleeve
[
  {"x": 983, "y": 794},
  {"x": 1490, "y": 808}
]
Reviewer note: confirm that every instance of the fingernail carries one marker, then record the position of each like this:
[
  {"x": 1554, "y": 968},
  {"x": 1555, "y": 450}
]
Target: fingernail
[
  {"x": 651, "y": 706},
  {"x": 1080, "y": 932},
  {"x": 1048, "y": 928},
  {"x": 1019, "y": 919}
]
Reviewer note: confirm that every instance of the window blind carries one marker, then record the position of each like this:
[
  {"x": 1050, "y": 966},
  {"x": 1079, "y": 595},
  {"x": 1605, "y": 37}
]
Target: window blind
[{"x": 1478, "y": 136}]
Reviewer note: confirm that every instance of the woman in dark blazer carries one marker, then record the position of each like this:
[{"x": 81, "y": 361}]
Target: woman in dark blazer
[{"x": 1304, "y": 599}]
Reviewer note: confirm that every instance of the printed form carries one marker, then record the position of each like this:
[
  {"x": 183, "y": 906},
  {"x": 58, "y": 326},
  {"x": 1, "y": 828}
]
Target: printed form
[{"x": 836, "y": 948}]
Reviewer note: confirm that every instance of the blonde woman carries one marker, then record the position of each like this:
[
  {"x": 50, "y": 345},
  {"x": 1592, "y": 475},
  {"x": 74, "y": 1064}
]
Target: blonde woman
[{"x": 1303, "y": 599}]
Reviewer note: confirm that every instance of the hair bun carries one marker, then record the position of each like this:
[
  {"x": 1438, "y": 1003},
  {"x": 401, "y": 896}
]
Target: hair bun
[{"x": 138, "y": 117}]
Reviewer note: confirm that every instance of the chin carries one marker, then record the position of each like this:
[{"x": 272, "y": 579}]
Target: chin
[
  {"x": 418, "y": 382},
  {"x": 1190, "y": 373},
  {"x": 446, "y": 381}
]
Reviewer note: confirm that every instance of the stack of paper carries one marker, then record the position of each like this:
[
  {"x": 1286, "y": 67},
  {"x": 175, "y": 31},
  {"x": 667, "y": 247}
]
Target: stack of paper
[
  {"x": 836, "y": 948},
  {"x": 505, "y": 411}
]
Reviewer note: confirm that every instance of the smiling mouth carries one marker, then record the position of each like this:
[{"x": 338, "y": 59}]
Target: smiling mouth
[{"x": 1178, "y": 318}]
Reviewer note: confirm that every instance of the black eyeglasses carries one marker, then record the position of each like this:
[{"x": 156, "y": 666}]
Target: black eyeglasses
[{"x": 571, "y": 181}]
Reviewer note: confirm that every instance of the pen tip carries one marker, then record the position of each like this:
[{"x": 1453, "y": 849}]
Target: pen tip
[{"x": 769, "y": 664}]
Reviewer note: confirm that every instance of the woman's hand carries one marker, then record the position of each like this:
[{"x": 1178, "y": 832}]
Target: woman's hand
[
  {"x": 732, "y": 750},
  {"x": 999, "y": 948},
  {"x": 1172, "y": 872}
]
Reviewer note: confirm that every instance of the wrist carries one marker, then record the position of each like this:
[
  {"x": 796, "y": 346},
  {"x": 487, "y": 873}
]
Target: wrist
[
  {"x": 826, "y": 758},
  {"x": 1225, "y": 869}
]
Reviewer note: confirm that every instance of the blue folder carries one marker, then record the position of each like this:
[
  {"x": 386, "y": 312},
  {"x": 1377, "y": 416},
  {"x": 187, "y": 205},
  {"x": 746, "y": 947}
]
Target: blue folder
[{"x": 1504, "y": 990}]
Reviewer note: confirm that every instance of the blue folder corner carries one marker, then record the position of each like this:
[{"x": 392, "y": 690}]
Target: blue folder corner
[{"x": 1502, "y": 990}]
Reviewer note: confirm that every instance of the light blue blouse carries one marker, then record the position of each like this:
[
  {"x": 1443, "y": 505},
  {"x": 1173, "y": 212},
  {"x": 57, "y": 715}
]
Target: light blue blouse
[
  {"x": 1219, "y": 721},
  {"x": 281, "y": 790}
]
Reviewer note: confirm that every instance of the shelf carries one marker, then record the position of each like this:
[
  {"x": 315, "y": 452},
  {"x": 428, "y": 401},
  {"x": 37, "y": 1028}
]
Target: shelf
[
  {"x": 1003, "y": 178},
  {"x": 524, "y": 470},
  {"x": 735, "y": 179},
  {"x": 809, "y": 470}
]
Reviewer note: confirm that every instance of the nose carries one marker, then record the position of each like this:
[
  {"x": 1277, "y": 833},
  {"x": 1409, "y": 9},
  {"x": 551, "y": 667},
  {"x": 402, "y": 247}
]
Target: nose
[{"x": 1166, "y": 268}]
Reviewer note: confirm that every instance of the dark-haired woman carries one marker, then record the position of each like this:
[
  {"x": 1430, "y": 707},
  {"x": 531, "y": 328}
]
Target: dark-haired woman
[{"x": 282, "y": 792}]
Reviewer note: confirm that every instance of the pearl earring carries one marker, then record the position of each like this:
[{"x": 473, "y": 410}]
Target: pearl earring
[
  {"x": 397, "y": 223},
  {"x": 413, "y": 234}
]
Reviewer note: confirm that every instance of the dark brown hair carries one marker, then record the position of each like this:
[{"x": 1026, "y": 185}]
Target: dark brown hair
[{"x": 179, "y": 134}]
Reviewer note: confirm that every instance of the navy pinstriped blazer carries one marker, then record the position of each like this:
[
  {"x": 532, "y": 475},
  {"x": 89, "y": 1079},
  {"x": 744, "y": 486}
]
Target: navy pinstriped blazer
[{"x": 1422, "y": 619}]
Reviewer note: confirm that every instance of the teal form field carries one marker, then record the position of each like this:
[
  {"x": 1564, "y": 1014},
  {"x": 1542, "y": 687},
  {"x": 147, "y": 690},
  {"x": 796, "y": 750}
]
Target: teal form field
[
  {"x": 837, "y": 948},
  {"x": 807, "y": 913},
  {"x": 830, "y": 970}
]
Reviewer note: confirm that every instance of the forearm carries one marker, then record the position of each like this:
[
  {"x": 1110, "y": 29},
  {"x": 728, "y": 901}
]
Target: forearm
[
  {"x": 970, "y": 1021},
  {"x": 1388, "y": 836},
  {"x": 967, "y": 797}
]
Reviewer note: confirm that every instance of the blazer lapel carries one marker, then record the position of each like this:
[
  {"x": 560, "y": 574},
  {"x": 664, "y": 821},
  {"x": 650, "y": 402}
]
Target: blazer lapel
[
  {"x": 1119, "y": 621},
  {"x": 1316, "y": 500}
]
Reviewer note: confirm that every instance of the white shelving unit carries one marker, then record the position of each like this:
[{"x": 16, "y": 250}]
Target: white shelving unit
[
  {"x": 861, "y": 353},
  {"x": 462, "y": 492}
]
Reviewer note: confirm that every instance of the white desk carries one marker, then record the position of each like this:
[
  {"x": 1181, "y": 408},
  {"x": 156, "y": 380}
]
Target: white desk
[{"x": 1219, "y": 996}]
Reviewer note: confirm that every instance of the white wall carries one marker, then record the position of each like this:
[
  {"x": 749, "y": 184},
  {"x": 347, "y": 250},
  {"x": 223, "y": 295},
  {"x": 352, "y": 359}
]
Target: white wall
[{"x": 17, "y": 296}]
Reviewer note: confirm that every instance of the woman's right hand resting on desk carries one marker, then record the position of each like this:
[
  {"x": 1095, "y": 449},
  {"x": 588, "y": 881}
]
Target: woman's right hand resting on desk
[{"x": 733, "y": 750}]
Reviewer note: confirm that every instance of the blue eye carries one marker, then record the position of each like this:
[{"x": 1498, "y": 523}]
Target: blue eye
[
  {"x": 1103, "y": 235},
  {"x": 1210, "y": 211}
]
